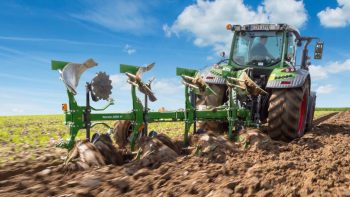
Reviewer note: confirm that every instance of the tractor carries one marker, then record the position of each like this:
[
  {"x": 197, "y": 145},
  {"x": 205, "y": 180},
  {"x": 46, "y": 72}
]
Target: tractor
[
  {"x": 268, "y": 54},
  {"x": 258, "y": 83}
]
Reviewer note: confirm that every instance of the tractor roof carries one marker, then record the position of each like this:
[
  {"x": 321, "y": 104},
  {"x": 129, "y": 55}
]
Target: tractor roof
[{"x": 266, "y": 27}]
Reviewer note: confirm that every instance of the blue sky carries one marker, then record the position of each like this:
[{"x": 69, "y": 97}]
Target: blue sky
[{"x": 168, "y": 32}]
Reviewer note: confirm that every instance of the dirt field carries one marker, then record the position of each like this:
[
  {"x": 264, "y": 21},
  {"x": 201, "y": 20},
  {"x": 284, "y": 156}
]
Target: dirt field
[{"x": 317, "y": 164}]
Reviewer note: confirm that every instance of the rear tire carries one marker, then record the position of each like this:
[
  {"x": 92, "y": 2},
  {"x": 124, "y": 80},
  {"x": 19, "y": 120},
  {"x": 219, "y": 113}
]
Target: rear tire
[{"x": 287, "y": 116}]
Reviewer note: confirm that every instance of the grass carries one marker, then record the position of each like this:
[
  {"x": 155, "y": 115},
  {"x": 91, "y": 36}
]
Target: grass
[
  {"x": 44, "y": 130},
  {"x": 334, "y": 109},
  {"x": 321, "y": 113},
  {"x": 31, "y": 130},
  {"x": 22, "y": 132}
]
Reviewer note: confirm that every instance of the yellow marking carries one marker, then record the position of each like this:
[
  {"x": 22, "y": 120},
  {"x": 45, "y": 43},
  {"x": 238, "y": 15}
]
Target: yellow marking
[{"x": 272, "y": 77}]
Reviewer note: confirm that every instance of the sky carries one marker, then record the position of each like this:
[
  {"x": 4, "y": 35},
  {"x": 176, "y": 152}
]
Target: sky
[{"x": 171, "y": 33}]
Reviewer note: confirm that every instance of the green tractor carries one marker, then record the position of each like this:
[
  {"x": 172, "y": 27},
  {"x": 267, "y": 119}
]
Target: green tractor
[{"x": 267, "y": 53}]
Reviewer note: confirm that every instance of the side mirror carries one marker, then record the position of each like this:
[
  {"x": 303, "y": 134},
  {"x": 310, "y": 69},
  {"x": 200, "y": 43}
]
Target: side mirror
[{"x": 318, "y": 51}]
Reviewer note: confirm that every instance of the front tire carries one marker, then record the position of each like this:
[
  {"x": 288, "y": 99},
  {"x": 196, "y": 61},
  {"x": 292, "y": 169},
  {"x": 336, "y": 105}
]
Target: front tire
[{"x": 287, "y": 116}]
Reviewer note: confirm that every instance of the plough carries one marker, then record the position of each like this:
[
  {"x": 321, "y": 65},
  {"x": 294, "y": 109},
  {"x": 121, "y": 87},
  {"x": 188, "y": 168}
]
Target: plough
[{"x": 79, "y": 117}]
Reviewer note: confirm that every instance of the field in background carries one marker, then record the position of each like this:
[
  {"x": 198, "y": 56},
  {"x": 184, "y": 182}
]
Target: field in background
[
  {"x": 23, "y": 133},
  {"x": 332, "y": 108},
  {"x": 323, "y": 111}
]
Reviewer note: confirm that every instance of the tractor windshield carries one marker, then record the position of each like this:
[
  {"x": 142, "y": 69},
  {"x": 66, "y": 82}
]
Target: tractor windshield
[{"x": 258, "y": 48}]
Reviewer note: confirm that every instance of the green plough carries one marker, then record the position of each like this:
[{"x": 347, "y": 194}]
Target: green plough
[{"x": 79, "y": 117}]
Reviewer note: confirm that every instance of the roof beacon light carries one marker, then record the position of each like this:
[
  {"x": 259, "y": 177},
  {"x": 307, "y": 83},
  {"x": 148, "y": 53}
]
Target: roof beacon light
[{"x": 229, "y": 27}]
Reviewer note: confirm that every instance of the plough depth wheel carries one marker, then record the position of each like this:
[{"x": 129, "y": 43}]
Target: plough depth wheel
[{"x": 121, "y": 132}]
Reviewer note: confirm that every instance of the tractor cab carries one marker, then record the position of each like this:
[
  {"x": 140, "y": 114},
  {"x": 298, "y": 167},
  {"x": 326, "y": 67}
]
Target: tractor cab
[
  {"x": 268, "y": 46},
  {"x": 257, "y": 48}
]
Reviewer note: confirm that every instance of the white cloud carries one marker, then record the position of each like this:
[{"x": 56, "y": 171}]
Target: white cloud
[
  {"x": 321, "y": 72},
  {"x": 326, "y": 89},
  {"x": 169, "y": 92},
  {"x": 56, "y": 40},
  {"x": 287, "y": 11},
  {"x": 318, "y": 72},
  {"x": 206, "y": 20},
  {"x": 337, "y": 67},
  {"x": 119, "y": 82},
  {"x": 167, "y": 86},
  {"x": 128, "y": 49},
  {"x": 337, "y": 17},
  {"x": 167, "y": 30},
  {"x": 161, "y": 86},
  {"x": 129, "y": 16}
]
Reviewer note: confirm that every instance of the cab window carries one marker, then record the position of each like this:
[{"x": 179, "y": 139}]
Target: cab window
[
  {"x": 291, "y": 56},
  {"x": 257, "y": 48}
]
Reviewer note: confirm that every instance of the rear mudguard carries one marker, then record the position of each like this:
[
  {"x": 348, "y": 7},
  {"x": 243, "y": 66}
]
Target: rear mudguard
[{"x": 280, "y": 79}]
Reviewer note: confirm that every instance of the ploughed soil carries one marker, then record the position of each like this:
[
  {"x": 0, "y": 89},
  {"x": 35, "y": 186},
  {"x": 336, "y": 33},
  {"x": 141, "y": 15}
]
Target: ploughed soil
[{"x": 317, "y": 164}]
